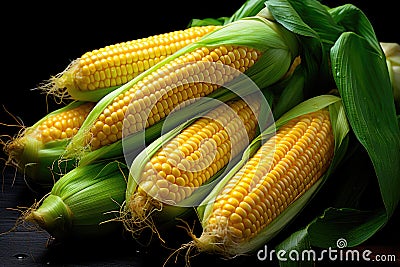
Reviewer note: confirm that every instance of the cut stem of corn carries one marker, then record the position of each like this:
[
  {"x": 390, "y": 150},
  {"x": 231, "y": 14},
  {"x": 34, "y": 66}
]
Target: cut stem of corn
[
  {"x": 279, "y": 173},
  {"x": 104, "y": 69},
  {"x": 35, "y": 151},
  {"x": 188, "y": 161},
  {"x": 82, "y": 203}
]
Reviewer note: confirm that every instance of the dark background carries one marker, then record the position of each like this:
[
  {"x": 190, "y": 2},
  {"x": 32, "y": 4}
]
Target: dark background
[{"x": 40, "y": 40}]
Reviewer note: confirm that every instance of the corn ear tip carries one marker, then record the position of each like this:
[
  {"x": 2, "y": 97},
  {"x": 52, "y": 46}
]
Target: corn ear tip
[
  {"x": 34, "y": 217},
  {"x": 18, "y": 149},
  {"x": 207, "y": 241},
  {"x": 13, "y": 147},
  {"x": 58, "y": 85},
  {"x": 136, "y": 214},
  {"x": 211, "y": 242}
]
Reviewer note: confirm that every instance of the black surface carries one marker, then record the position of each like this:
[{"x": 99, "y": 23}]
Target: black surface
[
  {"x": 28, "y": 246},
  {"x": 39, "y": 40}
]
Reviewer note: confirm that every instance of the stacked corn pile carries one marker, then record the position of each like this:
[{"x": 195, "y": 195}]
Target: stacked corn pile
[{"x": 232, "y": 119}]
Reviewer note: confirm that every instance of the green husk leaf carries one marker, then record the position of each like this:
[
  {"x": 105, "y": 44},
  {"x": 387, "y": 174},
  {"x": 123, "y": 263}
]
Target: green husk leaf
[
  {"x": 81, "y": 203},
  {"x": 42, "y": 166},
  {"x": 208, "y": 21},
  {"x": 361, "y": 74},
  {"x": 292, "y": 94},
  {"x": 339, "y": 223},
  {"x": 325, "y": 231},
  {"x": 317, "y": 31},
  {"x": 307, "y": 18},
  {"x": 248, "y": 9},
  {"x": 293, "y": 22},
  {"x": 298, "y": 241},
  {"x": 352, "y": 19},
  {"x": 364, "y": 84},
  {"x": 307, "y": 106}
]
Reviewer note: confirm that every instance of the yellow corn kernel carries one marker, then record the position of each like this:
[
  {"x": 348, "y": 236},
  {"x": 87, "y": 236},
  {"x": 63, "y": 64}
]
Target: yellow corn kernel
[
  {"x": 184, "y": 158},
  {"x": 189, "y": 165},
  {"x": 266, "y": 185},
  {"x": 62, "y": 125},
  {"x": 116, "y": 64},
  {"x": 168, "y": 88}
]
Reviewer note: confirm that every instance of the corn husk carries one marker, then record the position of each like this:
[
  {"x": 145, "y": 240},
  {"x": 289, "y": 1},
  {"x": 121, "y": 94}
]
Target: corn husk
[{"x": 82, "y": 203}]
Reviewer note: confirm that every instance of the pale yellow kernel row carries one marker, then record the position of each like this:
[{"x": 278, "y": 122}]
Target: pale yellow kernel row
[
  {"x": 117, "y": 64},
  {"x": 63, "y": 125},
  {"x": 283, "y": 168},
  {"x": 191, "y": 158},
  {"x": 173, "y": 86}
]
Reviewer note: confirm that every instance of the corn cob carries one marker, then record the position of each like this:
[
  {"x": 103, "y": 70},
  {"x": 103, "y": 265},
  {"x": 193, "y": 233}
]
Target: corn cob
[
  {"x": 81, "y": 203},
  {"x": 278, "y": 174},
  {"x": 196, "y": 71},
  {"x": 63, "y": 125},
  {"x": 108, "y": 128},
  {"x": 188, "y": 161},
  {"x": 34, "y": 150},
  {"x": 104, "y": 69}
]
